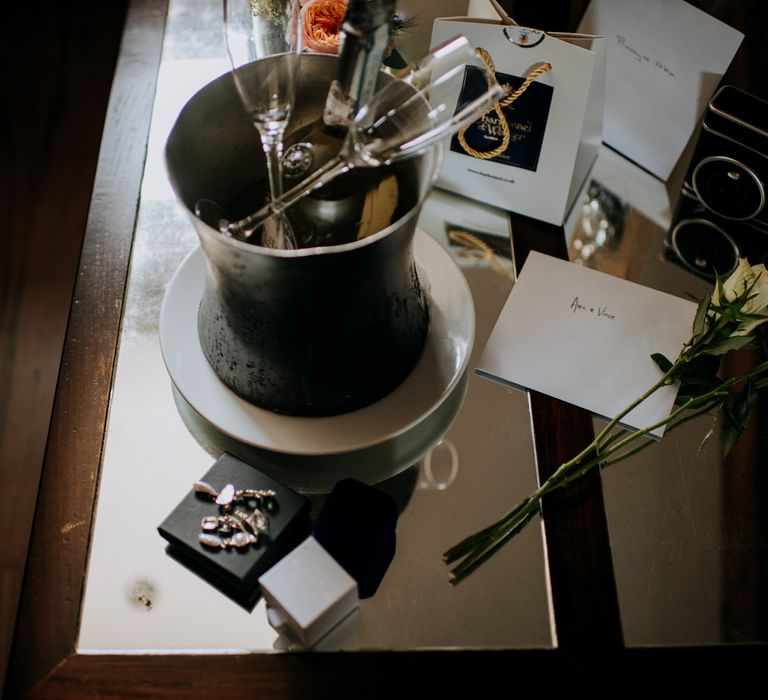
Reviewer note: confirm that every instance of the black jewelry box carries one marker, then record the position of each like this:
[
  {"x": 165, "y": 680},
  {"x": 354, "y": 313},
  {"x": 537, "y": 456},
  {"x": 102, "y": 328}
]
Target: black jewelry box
[
  {"x": 356, "y": 526},
  {"x": 235, "y": 570}
]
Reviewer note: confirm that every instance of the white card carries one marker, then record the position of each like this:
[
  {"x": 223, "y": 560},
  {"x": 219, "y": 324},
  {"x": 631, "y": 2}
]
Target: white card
[
  {"x": 587, "y": 338},
  {"x": 665, "y": 59}
]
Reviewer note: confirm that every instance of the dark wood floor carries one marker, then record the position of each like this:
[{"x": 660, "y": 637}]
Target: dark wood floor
[{"x": 58, "y": 64}]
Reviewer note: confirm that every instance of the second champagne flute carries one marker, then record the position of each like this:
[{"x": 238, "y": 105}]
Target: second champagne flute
[
  {"x": 257, "y": 29},
  {"x": 408, "y": 115}
]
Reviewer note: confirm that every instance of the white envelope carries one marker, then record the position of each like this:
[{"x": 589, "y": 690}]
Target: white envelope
[
  {"x": 665, "y": 59},
  {"x": 587, "y": 338}
]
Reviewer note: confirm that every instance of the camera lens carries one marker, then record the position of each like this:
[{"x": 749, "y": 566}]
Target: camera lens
[
  {"x": 728, "y": 188},
  {"x": 705, "y": 248}
]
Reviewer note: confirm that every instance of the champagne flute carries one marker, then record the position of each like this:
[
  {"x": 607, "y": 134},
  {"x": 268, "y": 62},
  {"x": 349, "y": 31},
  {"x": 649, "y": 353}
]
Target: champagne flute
[
  {"x": 256, "y": 29},
  {"x": 406, "y": 117}
]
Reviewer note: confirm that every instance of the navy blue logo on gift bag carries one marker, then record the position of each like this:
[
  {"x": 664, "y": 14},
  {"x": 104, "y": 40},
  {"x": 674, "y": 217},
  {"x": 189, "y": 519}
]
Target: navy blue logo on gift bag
[{"x": 526, "y": 117}]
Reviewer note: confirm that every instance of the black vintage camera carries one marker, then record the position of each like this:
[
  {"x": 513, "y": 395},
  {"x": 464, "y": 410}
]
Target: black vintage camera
[{"x": 722, "y": 213}]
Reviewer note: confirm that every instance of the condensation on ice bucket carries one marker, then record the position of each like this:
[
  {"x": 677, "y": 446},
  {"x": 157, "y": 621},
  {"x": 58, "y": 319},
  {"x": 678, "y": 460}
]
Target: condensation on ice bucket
[{"x": 316, "y": 331}]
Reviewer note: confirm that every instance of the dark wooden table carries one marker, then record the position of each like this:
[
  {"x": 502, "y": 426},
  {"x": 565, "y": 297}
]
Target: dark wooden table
[{"x": 44, "y": 663}]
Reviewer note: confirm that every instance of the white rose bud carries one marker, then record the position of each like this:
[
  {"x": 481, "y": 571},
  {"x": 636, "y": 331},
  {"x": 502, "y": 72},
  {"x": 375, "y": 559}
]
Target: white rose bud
[{"x": 746, "y": 276}]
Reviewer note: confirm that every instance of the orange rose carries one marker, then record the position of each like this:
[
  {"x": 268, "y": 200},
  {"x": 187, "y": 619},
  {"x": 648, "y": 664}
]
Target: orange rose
[{"x": 320, "y": 24}]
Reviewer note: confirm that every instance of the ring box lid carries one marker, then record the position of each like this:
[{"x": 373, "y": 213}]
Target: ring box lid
[{"x": 308, "y": 592}]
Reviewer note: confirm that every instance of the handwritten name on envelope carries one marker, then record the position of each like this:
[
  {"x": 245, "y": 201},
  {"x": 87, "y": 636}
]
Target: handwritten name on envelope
[
  {"x": 664, "y": 61},
  {"x": 586, "y": 338}
]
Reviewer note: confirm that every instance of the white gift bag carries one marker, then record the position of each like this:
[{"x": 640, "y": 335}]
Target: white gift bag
[{"x": 554, "y": 128}]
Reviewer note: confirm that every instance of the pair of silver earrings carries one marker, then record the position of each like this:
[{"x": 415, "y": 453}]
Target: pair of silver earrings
[{"x": 235, "y": 526}]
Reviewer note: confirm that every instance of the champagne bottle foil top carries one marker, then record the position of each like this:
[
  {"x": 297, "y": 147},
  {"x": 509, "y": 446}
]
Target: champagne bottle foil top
[{"x": 367, "y": 15}]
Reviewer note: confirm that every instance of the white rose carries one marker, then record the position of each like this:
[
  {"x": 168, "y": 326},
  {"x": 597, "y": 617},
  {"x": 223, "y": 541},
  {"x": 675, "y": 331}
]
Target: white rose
[{"x": 746, "y": 276}]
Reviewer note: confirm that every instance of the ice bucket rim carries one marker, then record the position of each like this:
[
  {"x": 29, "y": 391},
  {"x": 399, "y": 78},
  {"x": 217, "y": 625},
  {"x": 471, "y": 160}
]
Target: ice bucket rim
[{"x": 436, "y": 150}]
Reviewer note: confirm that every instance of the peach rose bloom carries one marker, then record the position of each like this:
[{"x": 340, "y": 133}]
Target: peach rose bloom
[{"x": 320, "y": 24}]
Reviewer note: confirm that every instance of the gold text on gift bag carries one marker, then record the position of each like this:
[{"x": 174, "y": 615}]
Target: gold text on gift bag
[{"x": 500, "y": 125}]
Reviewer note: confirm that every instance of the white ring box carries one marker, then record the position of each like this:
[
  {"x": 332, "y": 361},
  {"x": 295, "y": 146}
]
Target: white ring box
[{"x": 308, "y": 593}]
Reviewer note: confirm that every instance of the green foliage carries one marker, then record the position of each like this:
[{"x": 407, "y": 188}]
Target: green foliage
[
  {"x": 698, "y": 376},
  {"x": 727, "y": 344},
  {"x": 663, "y": 363},
  {"x": 271, "y": 10},
  {"x": 700, "y": 320},
  {"x": 720, "y": 326}
]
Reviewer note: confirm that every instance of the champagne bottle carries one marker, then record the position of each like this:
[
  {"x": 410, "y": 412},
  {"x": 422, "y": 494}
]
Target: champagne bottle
[{"x": 361, "y": 202}]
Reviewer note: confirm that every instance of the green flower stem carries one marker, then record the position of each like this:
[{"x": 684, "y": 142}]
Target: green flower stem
[
  {"x": 605, "y": 459},
  {"x": 616, "y": 419},
  {"x": 715, "y": 330},
  {"x": 753, "y": 373},
  {"x": 605, "y": 450},
  {"x": 605, "y": 437},
  {"x": 474, "y": 549},
  {"x": 469, "y": 565},
  {"x": 761, "y": 384},
  {"x": 710, "y": 400},
  {"x": 650, "y": 441},
  {"x": 691, "y": 416},
  {"x": 720, "y": 391},
  {"x": 613, "y": 437},
  {"x": 468, "y": 544}
]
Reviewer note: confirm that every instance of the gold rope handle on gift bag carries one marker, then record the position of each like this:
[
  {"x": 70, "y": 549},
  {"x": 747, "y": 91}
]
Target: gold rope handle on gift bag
[
  {"x": 478, "y": 249},
  {"x": 508, "y": 100}
]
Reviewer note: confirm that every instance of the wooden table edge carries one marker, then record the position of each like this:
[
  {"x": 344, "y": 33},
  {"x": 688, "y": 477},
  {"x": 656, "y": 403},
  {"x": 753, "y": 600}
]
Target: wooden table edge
[
  {"x": 44, "y": 662},
  {"x": 49, "y": 609}
]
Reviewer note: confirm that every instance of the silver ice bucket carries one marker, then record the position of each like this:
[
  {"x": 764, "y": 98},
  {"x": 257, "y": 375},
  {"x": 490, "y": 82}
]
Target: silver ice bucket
[{"x": 315, "y": 331}]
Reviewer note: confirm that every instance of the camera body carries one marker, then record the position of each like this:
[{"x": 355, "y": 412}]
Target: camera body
[{"x": 722, "y": 213}]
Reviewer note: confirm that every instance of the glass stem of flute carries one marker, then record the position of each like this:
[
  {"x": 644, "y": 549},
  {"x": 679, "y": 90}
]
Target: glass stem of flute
[
  {"x": 272, "y": 143},
  {"x": 334, "y": 167}
]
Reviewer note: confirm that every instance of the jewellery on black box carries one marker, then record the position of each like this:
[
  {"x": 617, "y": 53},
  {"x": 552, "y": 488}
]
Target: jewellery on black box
[
  {"x": 229, "y": 494},
  {"x": 235, "y": 527}
]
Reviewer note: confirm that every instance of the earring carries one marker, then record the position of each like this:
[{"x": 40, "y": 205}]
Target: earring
[
  {"x": 229, "y": 494},
  {"x": 235, "y": 528}
]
